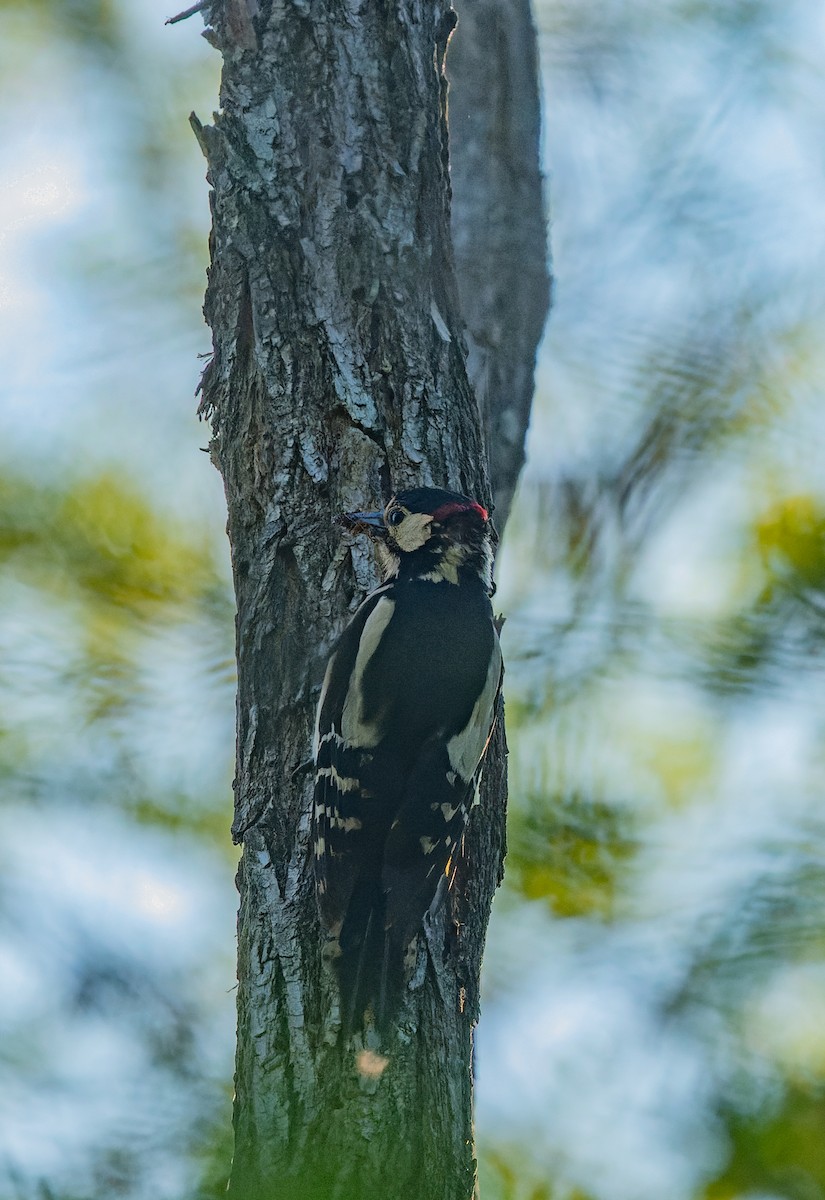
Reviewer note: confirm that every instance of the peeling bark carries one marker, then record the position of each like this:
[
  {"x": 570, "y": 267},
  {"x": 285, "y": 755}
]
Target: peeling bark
[{"x": 338, "y": 375}]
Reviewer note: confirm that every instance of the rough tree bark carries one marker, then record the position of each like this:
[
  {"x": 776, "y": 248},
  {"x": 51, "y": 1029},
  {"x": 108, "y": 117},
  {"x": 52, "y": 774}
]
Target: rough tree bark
[{"x": 338, "y": 375}]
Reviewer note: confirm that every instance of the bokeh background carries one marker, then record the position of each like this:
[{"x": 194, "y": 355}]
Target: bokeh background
[{"x": 654, "y": 1015}]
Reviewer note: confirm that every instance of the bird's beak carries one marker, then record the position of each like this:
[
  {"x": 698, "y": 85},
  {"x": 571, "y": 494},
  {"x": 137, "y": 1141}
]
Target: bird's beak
[{"x": 363, "y": 522}]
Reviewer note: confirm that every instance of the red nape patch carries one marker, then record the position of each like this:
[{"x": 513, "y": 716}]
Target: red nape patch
[{"x": 449, "y": 510}]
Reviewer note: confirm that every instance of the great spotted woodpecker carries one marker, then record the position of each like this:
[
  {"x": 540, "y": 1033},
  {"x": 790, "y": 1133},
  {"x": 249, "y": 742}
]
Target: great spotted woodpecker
[{"x": 404, "y": 718}]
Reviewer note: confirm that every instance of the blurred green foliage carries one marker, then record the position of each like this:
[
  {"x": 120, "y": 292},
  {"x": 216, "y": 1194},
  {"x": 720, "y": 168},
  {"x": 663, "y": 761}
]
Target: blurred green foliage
[
  {"x": 99, "y": 542},
  {"x": 502, "y": 1174},
  {"x": 90, "y": 23},
  {"x": 124, "y": 576},
  {"x": 791, "y": 540},
  {"x": 569, "y": 851},
  {"x": 781, "y": 1154}
]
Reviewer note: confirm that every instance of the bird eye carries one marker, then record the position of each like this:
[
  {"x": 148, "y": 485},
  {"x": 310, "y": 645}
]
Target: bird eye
[{"x": 395, "y": 517}]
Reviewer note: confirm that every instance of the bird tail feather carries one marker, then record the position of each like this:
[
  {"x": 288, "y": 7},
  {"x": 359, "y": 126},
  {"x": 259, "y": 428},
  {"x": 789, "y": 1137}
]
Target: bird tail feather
[{"x": 370, "y": 966}]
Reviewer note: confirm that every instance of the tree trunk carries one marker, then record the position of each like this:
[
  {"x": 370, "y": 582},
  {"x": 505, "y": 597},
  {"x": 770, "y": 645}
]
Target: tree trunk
[
  {"x": 498, "y": 221},
  {"x": 338, "y": 375}
]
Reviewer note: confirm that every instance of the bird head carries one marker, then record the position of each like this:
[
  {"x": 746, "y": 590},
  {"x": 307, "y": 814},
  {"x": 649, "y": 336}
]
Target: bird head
[{"x": 429, "y": 534}]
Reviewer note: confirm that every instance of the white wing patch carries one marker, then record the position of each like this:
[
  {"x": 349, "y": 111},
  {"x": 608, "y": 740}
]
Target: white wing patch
[
  {"x": 355, "y": 729},
  {"x": 466, "y": 748},
  {"x": 317, "y": 739}
]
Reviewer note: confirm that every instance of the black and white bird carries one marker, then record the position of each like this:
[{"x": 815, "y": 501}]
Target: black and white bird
[{"x": 405, "y": 716}]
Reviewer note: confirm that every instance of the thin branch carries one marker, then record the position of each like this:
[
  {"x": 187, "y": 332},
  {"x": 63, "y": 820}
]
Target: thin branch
[{"x": 187, "y": 12}]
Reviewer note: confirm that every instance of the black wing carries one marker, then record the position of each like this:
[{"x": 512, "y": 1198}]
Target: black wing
[
  {"x": 404, "y": 720},
  {"x": 346, "y": 818}
]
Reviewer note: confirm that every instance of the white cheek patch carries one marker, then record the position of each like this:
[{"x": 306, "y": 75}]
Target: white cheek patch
[{"x": 413, "y": 532}]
